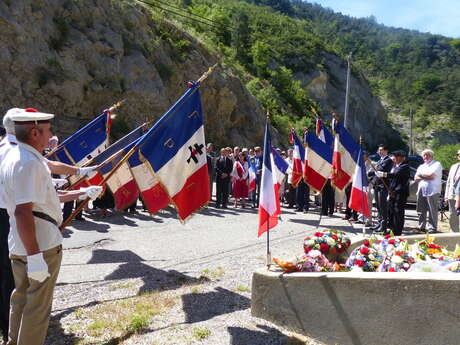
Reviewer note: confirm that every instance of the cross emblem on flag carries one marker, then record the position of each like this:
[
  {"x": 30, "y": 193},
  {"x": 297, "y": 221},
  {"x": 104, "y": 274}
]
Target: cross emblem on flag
[{"x": 196, "y": 149}]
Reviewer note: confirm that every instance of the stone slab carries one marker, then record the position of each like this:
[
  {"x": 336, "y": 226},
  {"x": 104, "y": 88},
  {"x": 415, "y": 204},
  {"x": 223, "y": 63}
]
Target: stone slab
[{"x": 363, "y": 308}]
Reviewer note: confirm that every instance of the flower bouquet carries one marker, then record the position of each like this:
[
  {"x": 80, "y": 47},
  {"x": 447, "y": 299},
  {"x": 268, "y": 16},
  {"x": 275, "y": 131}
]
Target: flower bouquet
[
  {"x": 314, "y": 261},
  {"x": 332, "y": 243},
  {"x": 365, "y": 258}
]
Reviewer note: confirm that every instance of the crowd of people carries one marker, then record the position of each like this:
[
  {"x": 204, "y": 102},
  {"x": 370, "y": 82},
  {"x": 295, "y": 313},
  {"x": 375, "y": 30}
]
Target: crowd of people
[
  {"x": 30, "y": 208},
  {"x": 388, "y": 188}
]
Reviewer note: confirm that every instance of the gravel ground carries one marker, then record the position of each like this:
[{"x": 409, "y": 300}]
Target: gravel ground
[{"x": 205, "y": 266}]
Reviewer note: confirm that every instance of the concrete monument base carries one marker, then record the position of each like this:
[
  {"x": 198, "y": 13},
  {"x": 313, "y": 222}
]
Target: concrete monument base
[{"x": 364, "y": 308}]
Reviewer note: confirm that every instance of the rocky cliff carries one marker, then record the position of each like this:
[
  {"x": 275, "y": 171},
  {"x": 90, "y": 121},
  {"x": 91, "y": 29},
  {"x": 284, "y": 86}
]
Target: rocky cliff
[{"x": 75, "y": 58}]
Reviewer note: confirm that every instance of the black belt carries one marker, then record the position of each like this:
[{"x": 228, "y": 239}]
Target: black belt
[{"x": 44, "y": 216}]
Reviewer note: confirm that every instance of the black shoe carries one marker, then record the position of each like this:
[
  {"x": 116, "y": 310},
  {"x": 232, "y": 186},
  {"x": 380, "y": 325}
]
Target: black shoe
[
  {"x": 225, "y": 206},
  {"x": 217, "y": 206},
  {"x": 80, "y": 218},
  {"x": 298, "y": 210}
]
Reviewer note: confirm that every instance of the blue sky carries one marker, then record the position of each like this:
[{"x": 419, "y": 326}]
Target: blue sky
[{"x": 435, "y": 16}]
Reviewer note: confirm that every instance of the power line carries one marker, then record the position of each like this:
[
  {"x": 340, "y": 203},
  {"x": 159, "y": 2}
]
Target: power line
[
  {"x": 181, "y": 9},
  {"x": 182, "y": 15}
]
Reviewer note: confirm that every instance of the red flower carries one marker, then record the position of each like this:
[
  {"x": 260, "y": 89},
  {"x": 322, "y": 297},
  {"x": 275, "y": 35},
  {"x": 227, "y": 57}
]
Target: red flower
[
  {"x": 387, "y": 236},
  {"x": 333, "y": 251},
  {"x": 398, "y": 253},
  {"x": 334, "y": 237},
  {"x": 367, "y": 243},
  {"x": 392, "y": 241},
  {"x": 435, "y": 246},
  {"x": 319, "y": 234},
  {"x": 306, "y": 249},
  {"x": 324, "y": 248},
  {"x": 364, "y": 250},
  {"x": 391, "y": 269},
  {"x": 359, "y": 263}
]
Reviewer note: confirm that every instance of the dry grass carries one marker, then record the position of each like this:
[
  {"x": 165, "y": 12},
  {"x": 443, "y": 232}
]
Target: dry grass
[{"x": 119, "y": 319}]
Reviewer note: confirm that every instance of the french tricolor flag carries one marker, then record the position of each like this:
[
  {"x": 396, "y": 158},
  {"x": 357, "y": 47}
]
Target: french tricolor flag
[
  {"x": 324, "y": 135},
  {"x": 174, "y": 151},
  {"x": 318, "y": 162},
  {"x": 273, "y": 171},
  {"x": 279, "y": 168},
  {"x": 345, "y": 156},
  {"x": 86, "y": 143},
  {"x": 154, "y": 196},
  {"x": 358, "y": 196},
  {"x": 297, "y": 157},
  {"x": 121, "y": 183},
  {"x": 252, "y": 177}
]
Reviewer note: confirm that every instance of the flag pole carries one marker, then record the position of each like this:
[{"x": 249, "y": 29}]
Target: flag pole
[
  {"x": 269, "y": 258},
  {"x": 362, "y": 187},
  {"x": 85, "y": 202}
]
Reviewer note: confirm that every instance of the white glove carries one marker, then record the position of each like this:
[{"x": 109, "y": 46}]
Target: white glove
[
  {"x": 91, "y": 192},
  {"x": 87, "y": 171},
  {"x": 59, "y": 182},
  {"x": 37, "y": 268},
  {"x": 381, "y": 174}
]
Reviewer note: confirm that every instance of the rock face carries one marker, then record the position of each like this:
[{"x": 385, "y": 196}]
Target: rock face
[
  {"x": 366, "y": 115},
  {"x": 76, "y": 58}
]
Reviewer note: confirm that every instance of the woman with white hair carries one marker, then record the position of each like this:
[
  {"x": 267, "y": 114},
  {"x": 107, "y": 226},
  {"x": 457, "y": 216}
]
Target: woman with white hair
[{"x": 429, "y": 176}]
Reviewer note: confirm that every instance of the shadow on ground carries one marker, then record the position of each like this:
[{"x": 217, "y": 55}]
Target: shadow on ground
[
  {"x": 266, "y": 336},
  {"x": 204, "y": 306}
]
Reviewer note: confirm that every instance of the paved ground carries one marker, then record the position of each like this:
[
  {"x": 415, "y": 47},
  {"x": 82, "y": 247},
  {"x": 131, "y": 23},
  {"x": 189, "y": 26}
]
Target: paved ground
[{"x": 159, "y": 253}]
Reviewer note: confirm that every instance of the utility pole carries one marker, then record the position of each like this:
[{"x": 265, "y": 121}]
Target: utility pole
[
  {"x": 411, "y": 139},
  {"x": 347, "y": 91}
]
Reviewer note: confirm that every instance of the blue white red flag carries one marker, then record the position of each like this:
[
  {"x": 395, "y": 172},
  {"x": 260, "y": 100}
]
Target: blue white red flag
[
  {"x": 86, "y": 143},
  {"x": 121, "y": 183},
  {"x": 252, "y": 176},
  {"x": 318, "y": 162},
  {"x": 268, "y": 217},
  {"x": 345, "y": 156},
  {"x": 174, "y": 150},
  {"x": 110, "y": 151},
  {"x": 297, "y": 158},
  {"x": 154, "y": 196},
  {"x": 358, "y": 196},
  {"x": 279, "y": 169},
  {"x": 324, "y": 134}
]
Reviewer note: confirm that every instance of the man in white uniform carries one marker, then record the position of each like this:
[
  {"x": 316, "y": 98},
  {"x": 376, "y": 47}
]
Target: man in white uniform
[
  {"x": 429, "y": 176},
  {"x": 34, "y": 241}
]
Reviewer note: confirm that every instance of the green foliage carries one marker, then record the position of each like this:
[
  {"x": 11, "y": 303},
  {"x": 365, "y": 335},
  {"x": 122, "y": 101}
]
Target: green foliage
[
  {"x": 447, "y": 154},
  {"x": 119, "y": 128},
  {"x": 426, "y": 84}
]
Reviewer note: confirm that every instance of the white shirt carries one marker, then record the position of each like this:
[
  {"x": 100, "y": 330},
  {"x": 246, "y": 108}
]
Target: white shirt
[
  {"x": 6, "y": 144},
  {"x": 430, "y": 187},
  {"x": 25, "y": 178},
  {"x": 452, "y": 181}
]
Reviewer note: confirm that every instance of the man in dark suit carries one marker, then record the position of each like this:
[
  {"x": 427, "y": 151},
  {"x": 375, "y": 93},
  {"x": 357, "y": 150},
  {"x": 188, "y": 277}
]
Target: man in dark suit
[
  {"x": 399, "y": 191},
  {"x": 384, "y": 165},
  {"x": 224, "y": 167}
]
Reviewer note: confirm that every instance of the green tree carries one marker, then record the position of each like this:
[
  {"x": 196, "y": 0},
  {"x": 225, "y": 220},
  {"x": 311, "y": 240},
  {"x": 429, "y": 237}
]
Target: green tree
[{"x": 447, "y": 154}]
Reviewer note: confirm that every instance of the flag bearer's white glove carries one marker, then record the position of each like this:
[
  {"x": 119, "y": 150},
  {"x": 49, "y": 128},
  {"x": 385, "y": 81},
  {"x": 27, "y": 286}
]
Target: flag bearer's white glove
[
  {"x": 87, "y": 171},
  {"x": 37, "y": 268},
  {"x": 59, "y": 182},
  {"x": 91, "y": 192},
  {"x": 381, "y": 174}
]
